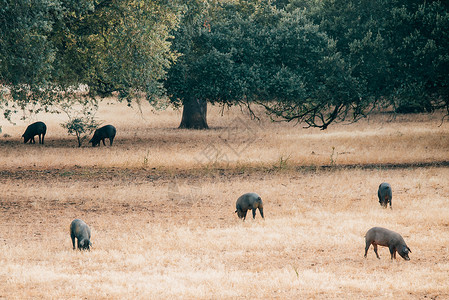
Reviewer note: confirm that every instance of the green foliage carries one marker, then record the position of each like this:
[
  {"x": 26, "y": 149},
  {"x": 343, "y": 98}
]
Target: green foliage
[
  {"x": 315, "y": 62},
  {"x": 51, "y": 48},
  {"x": 422, "y": 81},
  {"x": 397, "y": 50},
  {"x": 25, "y": 51},
  {"x": 26, "y": 54},
  {"x": 304, "y": 78},
  {"x": 251, "y": 52},
  {"x": 190, "y": 41},
  {"x": 115, "y": 46}
]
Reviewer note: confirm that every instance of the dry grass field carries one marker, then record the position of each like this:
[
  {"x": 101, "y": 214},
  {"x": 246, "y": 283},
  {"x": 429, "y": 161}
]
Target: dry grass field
[{"x": 160, "y": 203}]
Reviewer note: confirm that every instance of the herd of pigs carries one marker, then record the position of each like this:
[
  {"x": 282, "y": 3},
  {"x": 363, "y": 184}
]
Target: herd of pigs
[{"x": 376, "y": 236}]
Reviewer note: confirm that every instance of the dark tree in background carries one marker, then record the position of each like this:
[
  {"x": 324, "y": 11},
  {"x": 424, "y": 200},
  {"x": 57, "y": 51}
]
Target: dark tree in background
[
  {"x": 315, "y": 62},
  {"x": 302, "y": 77},
  {"x": 249, "y": 52},
  {"x": 396, "y": 49},
  {"x": 422, "y": 74},
  {"x": 202, "y": 73},
  {"x": 179, "y": 83}
]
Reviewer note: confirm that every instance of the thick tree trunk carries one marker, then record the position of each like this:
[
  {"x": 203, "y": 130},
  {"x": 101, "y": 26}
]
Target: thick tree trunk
[{"x": 194, "y": 114}]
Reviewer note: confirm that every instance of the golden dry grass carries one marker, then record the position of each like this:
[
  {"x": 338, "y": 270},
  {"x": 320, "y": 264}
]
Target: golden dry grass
[
  {"x": 151, "y": 139},
  {"x": 160, "y": 204}
]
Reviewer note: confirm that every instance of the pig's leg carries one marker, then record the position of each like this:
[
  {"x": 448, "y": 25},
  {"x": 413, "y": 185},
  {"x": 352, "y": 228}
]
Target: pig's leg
[
  {"x": 392, "y": 252},
  {"x": 375, "y": 250},
  {"x": 367, "y": 247}
]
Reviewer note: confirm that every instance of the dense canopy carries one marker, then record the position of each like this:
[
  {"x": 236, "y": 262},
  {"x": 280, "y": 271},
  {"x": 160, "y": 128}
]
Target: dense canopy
[
  {"x": 316, "y": 62},
  {"x": 48, "y": 49}
]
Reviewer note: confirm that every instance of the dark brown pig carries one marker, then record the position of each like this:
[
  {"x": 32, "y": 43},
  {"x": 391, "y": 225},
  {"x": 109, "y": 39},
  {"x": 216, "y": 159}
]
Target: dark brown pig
[{"x": 387, "y": 238}]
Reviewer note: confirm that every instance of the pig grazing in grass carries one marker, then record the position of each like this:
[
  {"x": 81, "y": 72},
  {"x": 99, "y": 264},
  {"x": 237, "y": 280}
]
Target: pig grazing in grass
[
  {"x": 248, "y": 201},
  {"x": 38, "y": 128},
  {"x": 387, "y": 238},
  {"x": 80, "y": 231},
  {"x": 384, "y": 193},
  {"x": 107, "y": 131}
]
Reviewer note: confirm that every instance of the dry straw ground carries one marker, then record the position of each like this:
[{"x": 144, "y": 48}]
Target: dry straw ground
[{"x": 160, "y": 204}]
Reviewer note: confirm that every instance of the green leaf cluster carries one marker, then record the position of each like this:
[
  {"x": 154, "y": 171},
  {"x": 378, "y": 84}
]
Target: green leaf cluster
[
  {"x": 249, "y": 51},
  {"x": 53, "y": 48},
  {"x": 397, "y": 50}
]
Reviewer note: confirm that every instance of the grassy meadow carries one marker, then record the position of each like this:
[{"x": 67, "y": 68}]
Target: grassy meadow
[{"x": 160, "y": 203}]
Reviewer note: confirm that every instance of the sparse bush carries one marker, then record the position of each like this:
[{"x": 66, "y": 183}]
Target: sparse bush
[{"x": 81, "y": 118}]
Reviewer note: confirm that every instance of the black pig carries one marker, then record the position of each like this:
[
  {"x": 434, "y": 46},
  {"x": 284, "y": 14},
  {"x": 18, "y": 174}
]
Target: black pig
[
  {"x": 385, "y": 194},
  {"x": 107, "y": 131},
  {"x": 38, "y": 128}
]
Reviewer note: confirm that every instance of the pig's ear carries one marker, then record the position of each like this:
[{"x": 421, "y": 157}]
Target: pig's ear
[{"x": 409, "y": 249}]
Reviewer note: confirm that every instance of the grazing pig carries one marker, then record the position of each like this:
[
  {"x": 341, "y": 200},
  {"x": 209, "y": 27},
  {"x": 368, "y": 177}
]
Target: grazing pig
[
  {"x": 384, "y": 193},
  {"x": 387, "y": 238},
  {"x": 80, "y": 231},
  {"x": 248, "y": 201},
  {"x": 107, "y": 131},
  {"x": 38, "y": 128}
]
